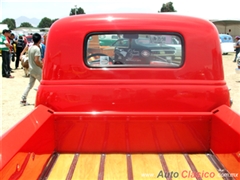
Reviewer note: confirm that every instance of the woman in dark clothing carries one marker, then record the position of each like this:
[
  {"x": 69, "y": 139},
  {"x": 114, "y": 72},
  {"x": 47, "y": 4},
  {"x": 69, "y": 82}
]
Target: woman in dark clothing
[{"x": 20, "y": 46}]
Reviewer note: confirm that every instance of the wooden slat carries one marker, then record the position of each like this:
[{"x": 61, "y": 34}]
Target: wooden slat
[
  {"x": 87, "y": 167},
  {"x": 177, "y": 164},
  {"x": 146, "y": 166},
  {"x": 205, "y": 167},
  {"x": 115, "y": 167},
  {"x": 61, "y": 167}
]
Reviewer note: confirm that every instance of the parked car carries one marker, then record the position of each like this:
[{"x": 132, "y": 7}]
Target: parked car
[
  {"x": 127, "y": 48},
  {"x": 107, "y": 39},
  {"x": 174, "y": 42},
  {"x": 227, "y": 43}
]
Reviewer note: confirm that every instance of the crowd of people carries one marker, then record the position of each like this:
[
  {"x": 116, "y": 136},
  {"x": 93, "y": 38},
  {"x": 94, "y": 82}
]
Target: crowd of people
[{"x": 30, "y": 54}]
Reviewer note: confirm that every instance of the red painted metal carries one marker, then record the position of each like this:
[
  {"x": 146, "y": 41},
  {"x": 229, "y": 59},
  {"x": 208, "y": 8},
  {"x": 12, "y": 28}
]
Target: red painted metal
[
  {"x": 23, "y": 166},
  {"x": 13, "y": 166},
  {"x": 132, "y": 132},
  {"x": 69, "y": 85},
  {"x": 29, "y": 135},
  {"x": 64, "y": 59},
  {"x": 225, "y": 138},
  {"x": 157, "y": 97},
  {"x": 19, "y": 170}
]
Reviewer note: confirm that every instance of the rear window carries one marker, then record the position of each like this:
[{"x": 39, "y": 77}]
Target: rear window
[{"x": 134, "y": 50}]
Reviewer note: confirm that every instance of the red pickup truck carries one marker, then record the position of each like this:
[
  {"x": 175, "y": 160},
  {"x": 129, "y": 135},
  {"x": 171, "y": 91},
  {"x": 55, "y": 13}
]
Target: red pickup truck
[{"x": 128, "y": 110}]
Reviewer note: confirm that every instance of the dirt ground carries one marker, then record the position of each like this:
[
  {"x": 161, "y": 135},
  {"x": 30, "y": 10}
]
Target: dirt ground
[
  {"x": 12, "y": 89},
  {"x": 11, "y": 93}
]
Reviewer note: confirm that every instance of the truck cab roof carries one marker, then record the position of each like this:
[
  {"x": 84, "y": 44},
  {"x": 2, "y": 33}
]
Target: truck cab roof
[
  {"x": 74, "y": 63},
  {"x": 75, "y": 49}
]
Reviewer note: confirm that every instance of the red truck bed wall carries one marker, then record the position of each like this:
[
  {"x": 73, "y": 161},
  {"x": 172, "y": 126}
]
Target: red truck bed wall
[
  {"x": 225, "y": 138},
  {"x": 129, "y": 132},
  {"x": 30, "y": 138}
]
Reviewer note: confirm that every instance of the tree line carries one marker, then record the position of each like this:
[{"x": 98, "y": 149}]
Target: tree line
[
  {"x": 47, "y": 22},
  {"x": 44, "y": 23}
]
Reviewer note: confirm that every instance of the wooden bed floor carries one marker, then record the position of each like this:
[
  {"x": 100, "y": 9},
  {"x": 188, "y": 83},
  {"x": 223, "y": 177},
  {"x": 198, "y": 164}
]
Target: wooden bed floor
[{"x": 132, "y": 166}]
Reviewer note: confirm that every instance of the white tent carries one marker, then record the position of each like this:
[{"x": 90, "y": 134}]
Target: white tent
[{"x": 231, "y": 27}]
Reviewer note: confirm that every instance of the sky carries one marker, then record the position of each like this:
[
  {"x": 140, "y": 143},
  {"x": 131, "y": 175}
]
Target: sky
[{"x": 208, "y": 9}]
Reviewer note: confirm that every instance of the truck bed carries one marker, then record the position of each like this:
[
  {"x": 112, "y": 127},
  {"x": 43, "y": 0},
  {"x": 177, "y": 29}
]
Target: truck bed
[{"x": 129, "y": 145}]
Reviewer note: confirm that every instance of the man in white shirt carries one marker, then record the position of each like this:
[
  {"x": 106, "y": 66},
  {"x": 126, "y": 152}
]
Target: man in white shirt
[
  {"x": 6, "y": 49},
  {"x": 35, "y": 65}
]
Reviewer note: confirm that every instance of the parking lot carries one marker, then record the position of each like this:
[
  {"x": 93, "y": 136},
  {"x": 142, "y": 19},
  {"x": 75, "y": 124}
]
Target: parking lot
[{"x": 12, "y": 89}]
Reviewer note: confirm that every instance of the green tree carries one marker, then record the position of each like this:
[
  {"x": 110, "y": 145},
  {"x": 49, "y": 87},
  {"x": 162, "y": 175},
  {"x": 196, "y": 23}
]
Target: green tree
[
  {"x": 75, "y": 11},
  {"x": 10, "y": 22},
  {"x": 53, "y": 20},
  {"x": 45, "y": 23},
  {"x": 25, "y": 24},
  {"x": 168, "y": 7}
]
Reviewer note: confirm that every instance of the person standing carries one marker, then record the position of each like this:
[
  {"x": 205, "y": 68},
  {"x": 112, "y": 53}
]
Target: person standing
[
  {"x": 42, "y": 49},
  {"x": 13, "y": 42},
  {"x": 43, "y": 45},
  {"x": 237, "y": 47},
  {"x": 24, "y": 58},
  {"x": 35, "y": 65},
  {"x": 20, "y": 46},
  {"x": 6, "y": 50}
]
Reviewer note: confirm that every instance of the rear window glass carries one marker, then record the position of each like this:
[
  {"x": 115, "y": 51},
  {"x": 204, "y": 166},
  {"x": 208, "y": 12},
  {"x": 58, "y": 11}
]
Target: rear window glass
[{"x": 134, "y": 50}]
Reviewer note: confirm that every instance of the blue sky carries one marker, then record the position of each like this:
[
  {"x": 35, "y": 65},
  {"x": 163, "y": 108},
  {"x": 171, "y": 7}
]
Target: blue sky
[{"x": 209, "y": 9}]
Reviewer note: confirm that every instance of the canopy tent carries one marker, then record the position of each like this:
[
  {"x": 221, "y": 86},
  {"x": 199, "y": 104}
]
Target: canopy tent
[{"x": 231, "y": 27}]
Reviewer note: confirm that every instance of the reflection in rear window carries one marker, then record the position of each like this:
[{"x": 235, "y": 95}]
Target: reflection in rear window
[{"x": 134, "y": 50}]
